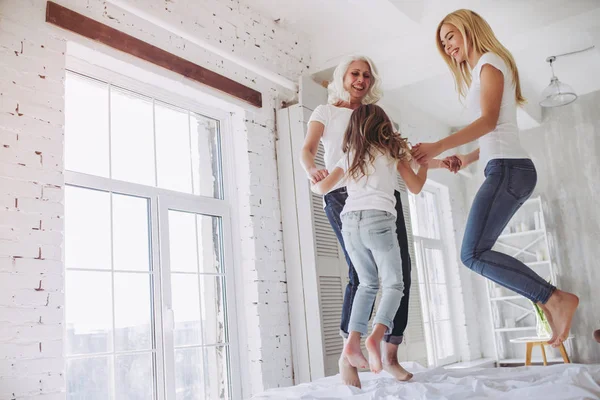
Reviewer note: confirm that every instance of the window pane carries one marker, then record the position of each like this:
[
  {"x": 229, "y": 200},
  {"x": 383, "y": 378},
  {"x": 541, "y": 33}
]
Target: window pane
[
  {"x": 132, "y": 139},
  {"x": 134, "y": 377},
  {"x": 87, "y": 228},
  {"x": 133, "y": 312},
  {"x": 86, "y": 125},
  {"x": 209, "y": 244},
  {"x": 131, "y": 235},
  {"x": 173, "y": 148},
  {"x": 89, "y": 378},
  {"x": 206, "y": 156},
  {"x": 189, "y": 374},
  {"x": 439, "y": 302},
  {"x": 183, "y": 251},
  {"x": 218, "y": 377},
  {"x": 88, "y": 312},
  {"x": 426, "y": 210},
  {"x": 443, "y": 339},
  {"x": 213, "y": 309},
  {"x": 186, "y": 307},
  {"x": 434, "y": 264}
]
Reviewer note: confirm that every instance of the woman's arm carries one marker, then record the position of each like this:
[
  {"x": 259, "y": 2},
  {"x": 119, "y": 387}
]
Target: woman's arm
[
  {"x": 414, "y": 181},
  {"x": 492, "y": 86},
  {"x": 329, "y": 182},
  {"x": 309, "y": 151}
]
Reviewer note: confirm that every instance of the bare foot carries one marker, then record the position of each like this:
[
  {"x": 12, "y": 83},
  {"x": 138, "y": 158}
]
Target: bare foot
[
  {"x": 374, "y": 350},
  {"x": 349, "y": 373},
  {"x": 391, "y": 365},
  {"x": 562, "y": 306},
  {"x": 354, "y": 355},
  {"x": 397, "y": 371}
]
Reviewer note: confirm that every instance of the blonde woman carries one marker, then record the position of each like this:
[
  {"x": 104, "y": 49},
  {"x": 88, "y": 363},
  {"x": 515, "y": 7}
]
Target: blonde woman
[
  {"x": 487, "y": 78},
  {"x": 355, "y": 82}
]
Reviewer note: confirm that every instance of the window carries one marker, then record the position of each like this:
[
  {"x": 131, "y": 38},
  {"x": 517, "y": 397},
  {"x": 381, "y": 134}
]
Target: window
[
  {"x": 432, "y": 262},
  {"x": 149, "y": 310}
]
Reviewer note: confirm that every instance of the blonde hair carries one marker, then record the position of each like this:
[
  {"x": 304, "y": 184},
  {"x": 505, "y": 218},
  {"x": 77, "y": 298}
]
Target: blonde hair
[
  {"x": 476, "y": 32},
  {"x": 336, "y": 89}
]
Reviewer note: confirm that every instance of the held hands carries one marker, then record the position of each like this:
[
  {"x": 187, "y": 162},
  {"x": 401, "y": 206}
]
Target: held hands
[
  {"x": 454, "y": 163},
  {"x": 315, "y": 175}
]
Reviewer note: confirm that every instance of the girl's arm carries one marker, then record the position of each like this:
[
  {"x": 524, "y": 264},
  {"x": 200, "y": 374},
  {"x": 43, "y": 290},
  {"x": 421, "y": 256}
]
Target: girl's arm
[
  {"x": 459, "y": 161},
  {"x": 492, "y": 86},
  {"x": 309, "y": 151},
  {"x": 469, "y": 158},
  {"x": 436, "y": 163},
  {"x": 414, "y": 181},
  {"x": 325, "y": 185}
]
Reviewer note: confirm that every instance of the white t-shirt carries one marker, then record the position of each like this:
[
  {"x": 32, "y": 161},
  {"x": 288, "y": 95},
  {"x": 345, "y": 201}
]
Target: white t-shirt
[
  {"x": 336, "y": 120},
  {"x": 374, "y": 191},
  {"x": 503, "y": 141}
]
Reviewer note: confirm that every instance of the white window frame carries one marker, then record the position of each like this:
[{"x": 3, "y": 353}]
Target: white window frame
[
  {"x": 441, "y": 244},
  {"x": 159, "y": 201}
]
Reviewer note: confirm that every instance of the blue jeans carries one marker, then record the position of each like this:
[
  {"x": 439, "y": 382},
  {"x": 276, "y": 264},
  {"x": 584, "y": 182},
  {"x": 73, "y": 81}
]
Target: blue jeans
[
  {"x": 334, "y": 203},
  {"x": 370, "y": 239},
  {"x": 508, "y": 183}
]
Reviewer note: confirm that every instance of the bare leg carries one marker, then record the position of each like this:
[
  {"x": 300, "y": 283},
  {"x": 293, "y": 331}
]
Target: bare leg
[
  {"x": 373, "y": 345},
  {"x": 391, "y": 365},
  {"x": 561, "y": 306}
]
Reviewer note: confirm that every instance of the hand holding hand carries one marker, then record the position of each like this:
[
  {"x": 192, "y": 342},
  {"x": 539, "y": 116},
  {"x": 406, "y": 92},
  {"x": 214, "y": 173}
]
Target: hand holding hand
[
  {"x": 454, "y": 163},
  {"x": 315, "y": 174}
]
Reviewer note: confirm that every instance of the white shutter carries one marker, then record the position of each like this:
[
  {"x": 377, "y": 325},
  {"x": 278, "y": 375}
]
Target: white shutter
[
  {"x": 315, "y": 264},
  {"x": 331, "y": 269},
  {"x": 326, "y": 241},
  {"x": 414, "y": 347}
]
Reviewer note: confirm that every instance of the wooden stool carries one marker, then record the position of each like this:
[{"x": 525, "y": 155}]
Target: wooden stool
[{"x": 537, "y": 341}]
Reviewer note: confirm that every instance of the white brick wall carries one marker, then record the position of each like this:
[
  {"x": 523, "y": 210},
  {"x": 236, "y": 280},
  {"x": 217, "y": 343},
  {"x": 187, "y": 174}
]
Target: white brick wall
[{"x": 32, "y": 62}]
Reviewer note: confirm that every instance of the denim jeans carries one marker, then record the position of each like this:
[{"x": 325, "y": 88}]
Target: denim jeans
[
  {"x": 334, "y": 203},
  {"x": 370, "y": 239},
  {"x": 508, "y": 183}
]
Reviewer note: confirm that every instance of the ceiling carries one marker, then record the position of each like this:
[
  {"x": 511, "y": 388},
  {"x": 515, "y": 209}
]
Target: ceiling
[{"x": 399, "y": 35}]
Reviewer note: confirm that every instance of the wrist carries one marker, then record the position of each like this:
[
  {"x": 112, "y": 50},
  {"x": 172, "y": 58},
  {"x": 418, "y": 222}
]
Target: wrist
[{"x": 443, "y": 145}]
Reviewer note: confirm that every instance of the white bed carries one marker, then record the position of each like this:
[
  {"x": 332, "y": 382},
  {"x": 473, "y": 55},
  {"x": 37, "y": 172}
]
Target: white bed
[{"x": 562, "y": 381}]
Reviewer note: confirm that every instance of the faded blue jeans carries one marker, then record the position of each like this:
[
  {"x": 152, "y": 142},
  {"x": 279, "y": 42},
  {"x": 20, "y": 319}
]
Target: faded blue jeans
[
  {"x": 508, "y": 183},
  {"x": 372, "y": 244}
]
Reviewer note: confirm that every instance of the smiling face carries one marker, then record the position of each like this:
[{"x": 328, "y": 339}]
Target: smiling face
[
  {"x": 357, "y": 80},
  {"x": 453, "y": 43}
]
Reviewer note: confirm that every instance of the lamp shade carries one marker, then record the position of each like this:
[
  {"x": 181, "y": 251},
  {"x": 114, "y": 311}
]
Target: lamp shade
[{"x": 557, "y": 94}]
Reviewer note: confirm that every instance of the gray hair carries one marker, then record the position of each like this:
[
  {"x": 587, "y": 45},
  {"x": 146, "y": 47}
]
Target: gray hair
[{"x": 336, "y": 89}]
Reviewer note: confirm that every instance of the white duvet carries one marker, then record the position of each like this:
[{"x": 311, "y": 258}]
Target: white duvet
[{"x": 562, "y": 381}]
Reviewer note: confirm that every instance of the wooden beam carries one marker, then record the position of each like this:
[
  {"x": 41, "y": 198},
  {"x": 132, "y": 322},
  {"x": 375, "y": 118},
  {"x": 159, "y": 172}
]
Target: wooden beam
[{"x": 91, "y": 29}]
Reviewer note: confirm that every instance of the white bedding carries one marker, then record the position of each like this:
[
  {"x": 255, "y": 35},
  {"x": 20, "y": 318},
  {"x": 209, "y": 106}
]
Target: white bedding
[{"x": 562, "y": 381}]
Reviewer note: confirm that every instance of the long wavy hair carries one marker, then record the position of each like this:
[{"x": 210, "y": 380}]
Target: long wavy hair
[
  {"x": 476, "y": 32},
  {"x": 336, "y": 91},
  {"x": 369, "y": 133}
]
